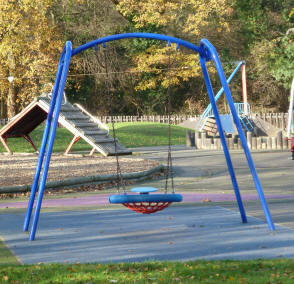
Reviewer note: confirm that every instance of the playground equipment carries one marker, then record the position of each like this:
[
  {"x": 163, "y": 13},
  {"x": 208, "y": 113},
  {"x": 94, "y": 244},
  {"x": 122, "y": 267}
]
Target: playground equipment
[
  {"x": 207, "y": 121},
  {"x": 290, "y": 111},
  {"x": 72, "y": 117},
  {"x": 146, "y": 203},
  {"x": 206, "y": 53},
  {"x": 290, "y": 119}
]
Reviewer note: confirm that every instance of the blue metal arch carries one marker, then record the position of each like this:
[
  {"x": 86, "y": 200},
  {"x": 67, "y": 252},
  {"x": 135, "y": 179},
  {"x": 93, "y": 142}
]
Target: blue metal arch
[
  {"x": 102, "y": 40},
  {"x": 206, "y": 52}
]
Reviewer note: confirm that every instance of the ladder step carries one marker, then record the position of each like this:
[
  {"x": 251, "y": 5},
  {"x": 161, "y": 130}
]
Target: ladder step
[
  {"x": 86, "y": 125},
  {"x": 74, "y": 116},
  {"x": 67, "y": 109},
  {"x": 101, "y": 140},
  {"x": 94, "y": 132}
]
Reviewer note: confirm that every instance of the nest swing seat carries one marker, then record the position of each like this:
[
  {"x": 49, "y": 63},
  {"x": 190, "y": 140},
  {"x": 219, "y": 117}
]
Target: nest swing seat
[{"x": 144, "y": 202}]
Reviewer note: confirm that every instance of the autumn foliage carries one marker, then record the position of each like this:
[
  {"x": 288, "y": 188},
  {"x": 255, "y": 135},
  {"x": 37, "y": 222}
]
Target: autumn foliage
[
  {"x": 32, "y": 34},
  {"x": 29, "y": 49}
]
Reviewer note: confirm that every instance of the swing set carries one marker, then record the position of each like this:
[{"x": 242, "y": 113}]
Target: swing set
[{"x": 146, "y": 201}]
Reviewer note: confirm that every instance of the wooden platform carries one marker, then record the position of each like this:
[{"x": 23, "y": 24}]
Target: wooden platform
[{"x": 74, "y": 118}]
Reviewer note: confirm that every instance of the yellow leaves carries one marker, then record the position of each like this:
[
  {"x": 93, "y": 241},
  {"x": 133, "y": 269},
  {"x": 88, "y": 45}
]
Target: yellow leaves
[
  {"x": 155, "y": 62},
  {"x": 188, "y": 16},
  {"x": 158, "y": 12},
  {"x": 27, "y": 36}
]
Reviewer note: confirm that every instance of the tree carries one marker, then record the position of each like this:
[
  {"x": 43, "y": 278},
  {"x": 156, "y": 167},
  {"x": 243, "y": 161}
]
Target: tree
[
  {"x": 190, "y": 20},
  {"x": 82, "y": 21},
  {"x": 29, "y": 50},
  {"x": 270, "y": 50}
]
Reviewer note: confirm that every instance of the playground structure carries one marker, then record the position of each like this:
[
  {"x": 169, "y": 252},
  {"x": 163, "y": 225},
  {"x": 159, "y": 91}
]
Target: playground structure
[
  {"x": 206, "y": 53},
  {"x": 72, "y": 117},
  {"x": 261, "y": 135},
  {"x": 290, "y": 120},
  {"x": 207, "y": 120}
]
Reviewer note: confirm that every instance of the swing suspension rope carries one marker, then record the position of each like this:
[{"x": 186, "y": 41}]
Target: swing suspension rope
[
  {"x": 144, "y": 202},
  {"x": 119, "y": 180},
  {"x": 169, "y": 170}
]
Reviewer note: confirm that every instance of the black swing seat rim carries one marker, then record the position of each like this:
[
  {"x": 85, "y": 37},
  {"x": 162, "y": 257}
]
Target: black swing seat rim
[{"x": 139, "y": 198}]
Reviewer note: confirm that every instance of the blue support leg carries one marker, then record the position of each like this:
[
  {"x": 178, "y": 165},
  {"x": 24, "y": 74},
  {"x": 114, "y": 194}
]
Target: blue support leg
[
  {"x": 212, "y": 54},
  {"x": 42, "y": 149},
  {"x": 223, "y": 139},
  {"x": 51, "y": 140}
]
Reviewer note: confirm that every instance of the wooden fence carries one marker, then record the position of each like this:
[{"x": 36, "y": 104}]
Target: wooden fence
[
  {"x": 279, "y": 120},
  {"x": 200, "y": 140},
  {"x": 175, "y": 119}
]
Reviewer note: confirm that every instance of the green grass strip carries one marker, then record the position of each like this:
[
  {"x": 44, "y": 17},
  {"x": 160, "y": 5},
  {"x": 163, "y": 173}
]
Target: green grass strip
[
  {"x": 131, "y": 135},
  {"x": 6, "y": 256},
  {"x": 253, "y": 271}
]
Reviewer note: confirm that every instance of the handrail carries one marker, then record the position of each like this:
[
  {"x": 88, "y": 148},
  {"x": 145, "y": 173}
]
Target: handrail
[
  {"x": 208, "y": 109},
  {"x": 240, "y": 107},
  {"x": 96, "y": 120}
]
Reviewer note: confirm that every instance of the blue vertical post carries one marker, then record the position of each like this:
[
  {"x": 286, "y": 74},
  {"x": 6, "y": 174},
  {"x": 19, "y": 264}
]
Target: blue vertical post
[
  {"x": 43, "y": 146},
  {"x": 65, "y": 68},
  {"x": 212, "y": 54},
  {"x": 223, "y": 139}
]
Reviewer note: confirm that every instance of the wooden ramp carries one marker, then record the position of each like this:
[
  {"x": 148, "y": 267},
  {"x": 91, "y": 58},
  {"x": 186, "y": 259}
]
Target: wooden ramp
[{"x": 73, "y": 117}]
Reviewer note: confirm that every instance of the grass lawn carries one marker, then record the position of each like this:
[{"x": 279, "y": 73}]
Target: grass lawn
[
  {"x": 254, "y": 271},
  {"x": 6, "y": 257},
  {"x": 135, "y": 135},
  {"x": 129, "y": 134}
]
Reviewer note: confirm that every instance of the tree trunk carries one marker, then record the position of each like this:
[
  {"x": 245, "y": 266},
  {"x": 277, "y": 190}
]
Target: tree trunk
[
  {"x": 11, "y": 102},
  {"x": 11, "y": 93}
]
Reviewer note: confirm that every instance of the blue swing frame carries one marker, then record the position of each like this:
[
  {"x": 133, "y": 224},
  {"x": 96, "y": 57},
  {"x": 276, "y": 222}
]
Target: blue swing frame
[{"x": 206, "y": 53}]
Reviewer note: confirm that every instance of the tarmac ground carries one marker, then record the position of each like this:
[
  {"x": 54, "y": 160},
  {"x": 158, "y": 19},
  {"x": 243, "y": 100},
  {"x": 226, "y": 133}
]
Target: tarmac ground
[{"x": 207, "y": 225}]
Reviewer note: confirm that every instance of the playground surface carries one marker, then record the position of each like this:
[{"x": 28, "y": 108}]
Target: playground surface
[{"x": 207, "y": 225}]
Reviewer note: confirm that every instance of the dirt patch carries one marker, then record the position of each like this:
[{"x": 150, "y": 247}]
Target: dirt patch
[{"x": 19, "y": 169}]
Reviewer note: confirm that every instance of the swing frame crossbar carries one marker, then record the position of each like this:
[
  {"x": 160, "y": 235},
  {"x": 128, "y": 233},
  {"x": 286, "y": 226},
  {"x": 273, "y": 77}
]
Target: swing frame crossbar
[{"x": 206, "y": 52}]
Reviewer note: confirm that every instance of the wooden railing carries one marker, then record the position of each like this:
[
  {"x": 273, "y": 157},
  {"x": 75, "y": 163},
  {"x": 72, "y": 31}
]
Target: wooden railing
[
  {"x": 277, "y": 119},
  {"x": 175, "y": 119}
]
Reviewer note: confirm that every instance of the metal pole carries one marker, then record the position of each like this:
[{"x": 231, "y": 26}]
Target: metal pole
[
  {"x": 290, "y": 111},
  {"x": 223, "y": 139},
  {"x": 206, "y": 45},
  {"x": 51, "y": 139},
  {"x": 219, "y": 93},
  {"x": 244, "y": 88},
  {"x": 43, "y": 147}
]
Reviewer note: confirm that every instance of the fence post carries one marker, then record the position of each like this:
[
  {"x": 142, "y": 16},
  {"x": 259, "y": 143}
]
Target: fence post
[
  {"x": 249, "y": 139},
  {"x": 269, "y": 143},
  {"x": 254, "y": 143},
  {"x": 190, "y": 139},
  {"x": 279, "y": 140}
]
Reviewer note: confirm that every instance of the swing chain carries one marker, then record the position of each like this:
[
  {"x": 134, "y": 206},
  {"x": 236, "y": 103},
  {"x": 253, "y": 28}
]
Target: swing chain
[
  {"x": 169, "y": 170},
  {"x": 119, "y": 179}
]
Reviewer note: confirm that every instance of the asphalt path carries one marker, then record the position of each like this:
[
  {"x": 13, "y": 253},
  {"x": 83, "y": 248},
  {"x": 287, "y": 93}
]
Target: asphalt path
[{"x": 203, "y": 229}]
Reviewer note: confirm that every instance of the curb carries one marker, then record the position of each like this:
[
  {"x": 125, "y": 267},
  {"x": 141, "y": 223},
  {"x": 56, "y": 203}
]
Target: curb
[{"x": 134, "y": 176}]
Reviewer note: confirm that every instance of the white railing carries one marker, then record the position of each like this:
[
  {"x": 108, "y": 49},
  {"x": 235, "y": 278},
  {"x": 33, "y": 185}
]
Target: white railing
[{"x": 95, "y": 119}]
